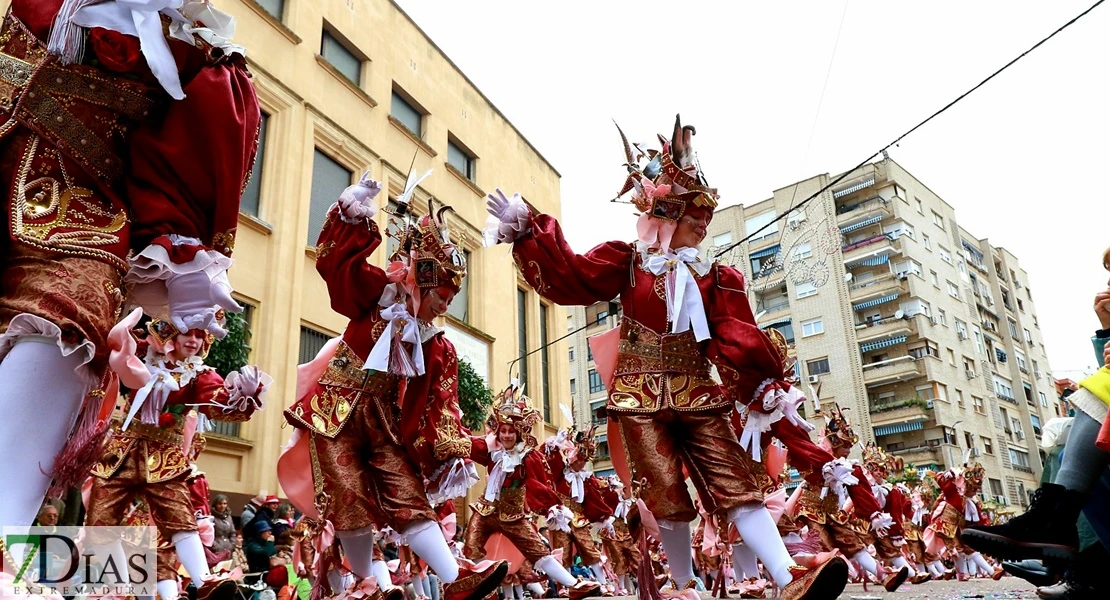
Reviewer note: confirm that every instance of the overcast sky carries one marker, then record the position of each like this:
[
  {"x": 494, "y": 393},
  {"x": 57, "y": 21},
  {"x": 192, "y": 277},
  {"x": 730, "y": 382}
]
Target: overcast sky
[{"x": 1023, "y": 160}]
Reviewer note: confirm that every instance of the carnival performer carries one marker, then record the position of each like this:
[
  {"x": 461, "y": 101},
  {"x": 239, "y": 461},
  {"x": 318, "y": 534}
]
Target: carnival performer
[
  {"x": 518, "y": 484},
  {"x": 895, "y": 501},
  {"x": 681, "y": 315},
  {"x": 974, "y": 514},
  {"x": 129, "y": 130},
  {"x": 581, "y": 499},
  {"x": 377, "y": 412},
  {"x": 619, "y": 543},
  {"x": 151, "y": 453},
  {"x": 849, "y": 532}
]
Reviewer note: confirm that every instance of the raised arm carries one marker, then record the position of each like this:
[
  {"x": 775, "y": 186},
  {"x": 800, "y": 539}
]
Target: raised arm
[{"x": 549, "y": 264}]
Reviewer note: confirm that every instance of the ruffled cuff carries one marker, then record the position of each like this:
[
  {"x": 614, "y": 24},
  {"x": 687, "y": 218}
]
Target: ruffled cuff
[
  {"x": 455, "y": 477},
  {"x": 246, "y": 389},
  {"x": 514, "y": 223},
  {"x": 167, "y": 257}
]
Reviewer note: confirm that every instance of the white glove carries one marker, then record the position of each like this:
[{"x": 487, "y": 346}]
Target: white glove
[
  {"x": 245, "y": 388},
  {"x": 195, "y": 298},
  {"x": 559, "y": 518},
  {"x": 881, "y": 523},
  {"x": 508, "y": 218},
  {"x": 357, "y": 201},
  {"x": 606, "y": 527},
  {"x": 898, "y": 541}
]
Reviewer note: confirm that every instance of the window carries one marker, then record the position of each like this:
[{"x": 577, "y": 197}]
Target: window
[
  {"x": 934, "y": 279},
  {"x": 978, "y": 335},
  {"x": 1028, "y": 336},
  {"x": 926, "y": 392},
  {"x": 938, "y": 220},
  {"x": 977, "y": 404},
  {"x": 969, "y": 439},
  {"x": 812, "y": 327},
  {"x": 407, "y": 114},
  {"x": 929, "y": 349},
  {"x": 589, "y": 352},
  {"x": 786, "y": 329},
  {"x": 545, "y": 371},
  {"x": 1013, "y": 329},
  {"x": 920, "y": 206},
  {"x": 573, "y": 386},
  {"x": 460, "y": 159},
  {"x": 1036, "y": 371},
  {"x": 906, "y": 267},
  {"x": 988, "y": 448},
  {"x": 571, "y": 355},
  {"x": 722, "y": 239},
  {"x": 595, "y": 382},
  {"x": 928, "y": 243},
  {"x": 274, "y": 7},
  {"x": 942, "y": 392},
  {"x": 898, "y": 230},
  {"x": 1019, "y": 356},
  {"x": 960, "y": 403},
  {"x": 818, "y": 367},
  {"x": 951, "y": 357},
  {"x": 942, "y": 317},
  {"x": 522, "y": 335},
  {"x": 754, "y": 224},
  {"x": 596, "y": 314},
  {"x": 329, "y": 179},
  {"x": 996, "y": 488},
  {"x": 252, "y": 193},
  {"x": 961, "y": 329},
  {"x": 1003, "y": 388},
  {"x": 1035, "y": 421},
  {"x": 945, "y": 255},
  {"x": 1019, "y": 458},
  {"x": 953, "y": 290},
  {"x": 341, "y": 57},
  {"x": 1044, "y": 399},
  {"x": 805, "y": 290},
  {"x": 949, "y": 435},
  {"x": 460, "y": 306},
  {"x": 803, "y": 251},
  {"x": 312, "y": 341},
  {"x": 969, "y": 367}
]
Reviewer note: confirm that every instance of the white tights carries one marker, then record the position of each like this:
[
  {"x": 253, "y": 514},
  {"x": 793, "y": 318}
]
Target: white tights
[{"x": 40, "y": 395}]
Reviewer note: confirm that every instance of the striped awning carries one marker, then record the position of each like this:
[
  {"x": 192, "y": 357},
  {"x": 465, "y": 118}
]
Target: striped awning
[
  {"x": 764, "y": 252},
  {"x": 899, "y": 428},
  {"x": 882, "y": 259},
  {"x": 860, "y": 225},
  {"x": 876, "y": 345},
  {"x": 875, "y": 302},
  {"x": 854, "y": 188},
  {"x": 775, "y": 322}
]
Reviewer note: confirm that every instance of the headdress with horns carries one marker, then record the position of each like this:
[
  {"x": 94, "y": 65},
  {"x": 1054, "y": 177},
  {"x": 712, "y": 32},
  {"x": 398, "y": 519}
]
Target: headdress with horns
[
  {"x": 427, "y": 250},
  {"x": 585, "y": 444},
  {"x": 973, "y": 478},
  {"x": 514, "y": 408},
  {"x": 877, "y": 459},
  {"x": 667, "y": 186},
  {"x": 838, "y": 429}
]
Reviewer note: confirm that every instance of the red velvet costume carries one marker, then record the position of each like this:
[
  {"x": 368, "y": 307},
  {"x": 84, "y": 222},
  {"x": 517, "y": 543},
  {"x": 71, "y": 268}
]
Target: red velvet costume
[
  {"x": 593, "y": 507},
  {"x": 947, "y": 517},
  {"x": 377, "y": 436},
  {"x": 101, "y": 162},
  {"x": 151, "y": 460},
  {"x": 621, "y": 544},
  {"x": 524, "y": 491}
]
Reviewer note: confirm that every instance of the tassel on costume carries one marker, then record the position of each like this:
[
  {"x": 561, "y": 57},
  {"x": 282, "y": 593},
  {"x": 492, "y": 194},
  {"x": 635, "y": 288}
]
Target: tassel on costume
[
  {"x": 645, "y": 575},
  {"x": 85, "y": 444}
]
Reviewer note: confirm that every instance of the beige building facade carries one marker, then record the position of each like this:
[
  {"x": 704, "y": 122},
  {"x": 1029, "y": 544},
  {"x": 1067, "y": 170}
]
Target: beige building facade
[
  {"x": 926, "y": 333},
  {"x": 348, "y": 86}
]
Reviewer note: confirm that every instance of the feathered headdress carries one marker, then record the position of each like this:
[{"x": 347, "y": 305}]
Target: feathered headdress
[
  {"x": 514, "y": 408},
  {"x": 838, "y": 429},
  {"x": 667, "y": 185}
]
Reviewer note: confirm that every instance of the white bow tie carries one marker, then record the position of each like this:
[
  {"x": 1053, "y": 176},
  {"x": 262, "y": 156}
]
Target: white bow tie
[{"x": 684, "y": 304}]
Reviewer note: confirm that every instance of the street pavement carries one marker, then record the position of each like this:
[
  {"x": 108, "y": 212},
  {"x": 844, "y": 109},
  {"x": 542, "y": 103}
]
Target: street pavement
[{"x": 1007, "y": 588}]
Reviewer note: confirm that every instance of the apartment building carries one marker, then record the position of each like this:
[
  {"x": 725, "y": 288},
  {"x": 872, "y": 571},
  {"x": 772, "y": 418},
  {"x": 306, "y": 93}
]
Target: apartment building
[{"x": 925, "y": 332}]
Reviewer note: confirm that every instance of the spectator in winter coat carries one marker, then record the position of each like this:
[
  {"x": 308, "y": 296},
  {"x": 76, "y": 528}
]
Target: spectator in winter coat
[
  {"x": 260, "y": 546},
  {"x": 283, "y": 519},
  {"x": 264, "y": 513},
  {"x": 250, "y": 509},
  {"x": 223, "y": 523}
]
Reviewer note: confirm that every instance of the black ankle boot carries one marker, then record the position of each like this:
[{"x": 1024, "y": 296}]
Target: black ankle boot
[{"x": 1046, "y": 530}]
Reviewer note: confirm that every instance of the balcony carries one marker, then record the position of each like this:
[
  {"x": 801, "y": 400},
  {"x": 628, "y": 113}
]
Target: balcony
[
  {"x": 902, "y": 368},
  {"x": 1022, "y": 469},
  {"x": 901, "y": 411},
  {"x": 775, "y": 308},
  {"x": 880, "y": 286},
  {"x": 871, "y": 247},
  {"x": 920, "y": 455},
  {"x": 888, "y": 327},
  {"x": 854, "y": 212}
]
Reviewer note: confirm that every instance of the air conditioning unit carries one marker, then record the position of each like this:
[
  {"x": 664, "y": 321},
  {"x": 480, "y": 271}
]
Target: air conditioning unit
[
  {"x": 961, "y": 335},
  {"x": 814, "y": 378},
  {"x": 934, "y": 320},
  {"x": 970, "y": 374},
  {"x": 793, "y": 223},
  {"x": 1001, "y": 500},
  {"x": 974, "y": 452}
]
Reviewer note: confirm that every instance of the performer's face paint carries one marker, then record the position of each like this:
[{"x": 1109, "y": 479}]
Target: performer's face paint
[
  {"x": 507, "y": 436},
  {"x": 435, "y": 303},
  {"x": 188, "y": 345},
  {"x": 691, "y": 228}
]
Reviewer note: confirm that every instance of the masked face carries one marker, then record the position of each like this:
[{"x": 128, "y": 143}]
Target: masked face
[
  {"x": 434, "y": 303},
  {"x": 507, "y": 436},
  {"x": 691, "y": 228}
]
